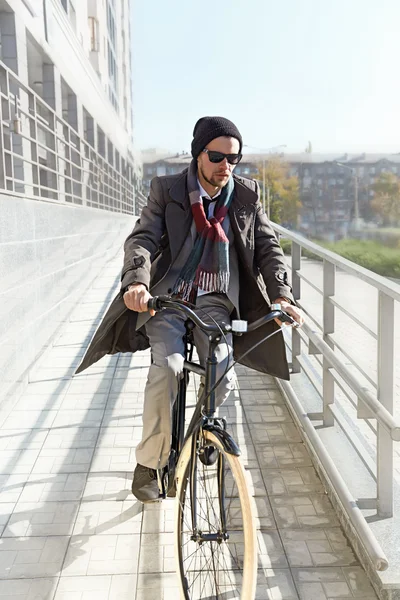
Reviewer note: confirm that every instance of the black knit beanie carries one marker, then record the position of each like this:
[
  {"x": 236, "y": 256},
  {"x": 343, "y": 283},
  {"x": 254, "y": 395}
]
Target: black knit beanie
[{"x": 209, "y": 128}]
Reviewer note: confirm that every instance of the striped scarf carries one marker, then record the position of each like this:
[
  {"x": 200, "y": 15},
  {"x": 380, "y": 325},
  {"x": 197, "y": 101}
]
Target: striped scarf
[{"x": 207, "y": 267}]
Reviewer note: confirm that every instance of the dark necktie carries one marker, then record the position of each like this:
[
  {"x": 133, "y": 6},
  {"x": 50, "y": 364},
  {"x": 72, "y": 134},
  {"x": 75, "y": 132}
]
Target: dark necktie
[{"x": 206, "y": 205}]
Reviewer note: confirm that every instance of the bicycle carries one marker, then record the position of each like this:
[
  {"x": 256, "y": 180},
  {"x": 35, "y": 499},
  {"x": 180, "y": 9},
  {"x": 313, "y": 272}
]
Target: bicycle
[{"x": 215, "y": 534}]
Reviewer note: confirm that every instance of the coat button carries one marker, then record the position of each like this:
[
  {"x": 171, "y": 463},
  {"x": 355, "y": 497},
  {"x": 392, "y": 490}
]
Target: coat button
[{"x": 138, "y": 261}]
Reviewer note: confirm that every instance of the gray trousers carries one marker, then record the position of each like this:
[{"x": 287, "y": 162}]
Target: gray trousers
[{"x": 165, "y": 331}]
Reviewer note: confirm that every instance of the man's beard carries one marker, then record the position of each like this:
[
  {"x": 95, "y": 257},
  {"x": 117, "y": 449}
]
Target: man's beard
[{"x": 212, "y": 182}]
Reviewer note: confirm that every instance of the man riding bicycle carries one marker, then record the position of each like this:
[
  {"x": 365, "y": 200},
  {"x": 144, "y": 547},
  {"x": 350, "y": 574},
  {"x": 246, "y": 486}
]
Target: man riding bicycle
[{"x": 204, "y": 237}]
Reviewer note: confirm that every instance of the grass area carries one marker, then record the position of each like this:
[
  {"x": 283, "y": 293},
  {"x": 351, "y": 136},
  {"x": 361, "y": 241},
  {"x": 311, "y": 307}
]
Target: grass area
[{"x": 371, "y": 255}]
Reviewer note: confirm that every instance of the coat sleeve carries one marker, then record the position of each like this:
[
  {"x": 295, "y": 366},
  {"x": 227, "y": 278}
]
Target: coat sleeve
[
  {"x": 269, "y": 256},
  {"x": 144, "y": 241}
]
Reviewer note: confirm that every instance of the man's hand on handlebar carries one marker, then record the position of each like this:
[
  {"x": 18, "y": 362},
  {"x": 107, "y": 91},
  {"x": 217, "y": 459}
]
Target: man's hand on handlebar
[
  {"x": 136, "y": 298},
  {"x": 291, "y": 310}
]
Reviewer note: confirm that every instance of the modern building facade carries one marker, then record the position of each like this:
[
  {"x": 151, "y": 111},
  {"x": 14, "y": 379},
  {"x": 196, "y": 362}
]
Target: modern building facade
[
  {"x": 67, "y": 125},
  {"x": 335, "y": 189},
  {"x": 69, "y": 176}
]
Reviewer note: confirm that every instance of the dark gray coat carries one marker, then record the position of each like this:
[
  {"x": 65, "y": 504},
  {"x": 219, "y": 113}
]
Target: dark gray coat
[{"x": 155, "y": 243}]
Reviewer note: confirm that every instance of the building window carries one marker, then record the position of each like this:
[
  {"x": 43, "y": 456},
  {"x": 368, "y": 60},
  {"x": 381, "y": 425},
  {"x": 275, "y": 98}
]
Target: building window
[
  {"x": 112, "y": 55},
  {"x": 94, "y": 34},
  {"x": 372, "y": 171},
  {"x": 69, "y": 8}
]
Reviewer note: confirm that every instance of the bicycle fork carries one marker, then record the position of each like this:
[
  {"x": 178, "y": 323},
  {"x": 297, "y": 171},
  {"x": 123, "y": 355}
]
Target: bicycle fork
[{"x": 198, "y": 535}]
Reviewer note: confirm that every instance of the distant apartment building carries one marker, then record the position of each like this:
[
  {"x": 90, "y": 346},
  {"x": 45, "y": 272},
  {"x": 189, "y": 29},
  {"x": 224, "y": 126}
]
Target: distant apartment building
[
  {"x": 334, "y": 188},
  {"x": 66, "y": 85}
]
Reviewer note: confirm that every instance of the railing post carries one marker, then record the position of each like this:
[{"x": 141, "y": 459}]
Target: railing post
[
  {"x": 385, "y": 396},
  {"x": 328, "y": 382},
  {"x": 296, "y": 339}
]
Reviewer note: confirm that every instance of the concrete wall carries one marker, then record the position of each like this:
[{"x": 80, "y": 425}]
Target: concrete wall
[{"x": 49, "y": 255}]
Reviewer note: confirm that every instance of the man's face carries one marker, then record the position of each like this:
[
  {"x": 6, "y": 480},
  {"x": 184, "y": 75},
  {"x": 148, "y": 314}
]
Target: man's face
[{"x": 217, "y": 174}]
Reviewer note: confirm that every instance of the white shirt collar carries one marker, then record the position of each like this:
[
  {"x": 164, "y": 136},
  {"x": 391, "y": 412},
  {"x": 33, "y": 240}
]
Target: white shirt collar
[{"x": 203, "y": 192}]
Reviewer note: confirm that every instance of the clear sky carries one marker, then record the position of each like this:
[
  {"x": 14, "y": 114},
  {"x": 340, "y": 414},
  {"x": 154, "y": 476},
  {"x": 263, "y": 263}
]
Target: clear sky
[{"x": 285, "y": 71}]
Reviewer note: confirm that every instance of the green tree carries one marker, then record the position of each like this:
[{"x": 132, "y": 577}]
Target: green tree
[
  {"x": 282, "y": 190},
  {"x": 386, "y": 202}
]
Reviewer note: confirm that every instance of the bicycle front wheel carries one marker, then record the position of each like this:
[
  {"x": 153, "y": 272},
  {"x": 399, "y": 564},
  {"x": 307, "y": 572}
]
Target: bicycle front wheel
[{"x": 219, "y": 559}]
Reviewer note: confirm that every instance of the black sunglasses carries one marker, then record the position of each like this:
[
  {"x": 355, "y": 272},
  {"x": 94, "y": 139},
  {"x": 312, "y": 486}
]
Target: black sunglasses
[{"x": 217, "y": 157}]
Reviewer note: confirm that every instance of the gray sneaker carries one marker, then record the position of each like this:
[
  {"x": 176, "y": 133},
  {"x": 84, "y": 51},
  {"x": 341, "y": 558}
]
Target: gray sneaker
[{"x": 145, "y": 485}]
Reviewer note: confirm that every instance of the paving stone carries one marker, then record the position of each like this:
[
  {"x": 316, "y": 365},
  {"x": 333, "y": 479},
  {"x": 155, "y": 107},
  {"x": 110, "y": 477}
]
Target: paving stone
[
  {"x": 83, "y": 386},
  {"x": 78, "y": 418},
  {"x": 17, "y": 461},
  {"x": 275, "y": 584},
  {"x": 108, "y": 486},
  {"x": 41, "y": 519},
  {"x": 123, "y": 418},
  {"x": 331, "y": 583},
  {"x": 313, "y": 547},
  {"x": 159, "y": 517},
  {"x": 53, "y": 487},
  {"x": 97, "y": 587},
  {"x": 119, "y": 437},
  {"x": 157, "y": 553},
  {"x": 113, "y": 459},
  {"x": 271, "y": 553},
  {"x": 267, "y": 414},
  {"x": 102, "y": 555},
  {"x": 11, "y": 487},
  {"x": 32, "y": 419},
  {"x": 22, "y": 439},
  {"x": 264, "y": 517},
  {"x": 83, "y": 401},
  {"x": 71, "y": 437},
  {"x": 31, "y": 557},
  {"x": 109, "y": 517},
  {"x": 311, "y": 510},
  {"x": 162, "y": 587},
  {"x": 6, "y": 510},
  {"x": 28, "y": 589},
  {"x": 283, "y": 455},
  {"x": 277, "y": 433},
  {"x": 260, "y": 397},
  {"x": 292, "y": 481},
  {"x": 65, "y": 460}
]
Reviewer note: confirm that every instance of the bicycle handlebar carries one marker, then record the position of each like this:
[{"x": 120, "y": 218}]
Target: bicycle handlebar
[{"x": 159, "y": 303}]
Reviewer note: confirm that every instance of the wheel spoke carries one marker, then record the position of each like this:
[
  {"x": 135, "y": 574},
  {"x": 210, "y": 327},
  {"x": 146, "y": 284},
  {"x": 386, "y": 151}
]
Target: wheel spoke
[{"x": 213, "y": 570}]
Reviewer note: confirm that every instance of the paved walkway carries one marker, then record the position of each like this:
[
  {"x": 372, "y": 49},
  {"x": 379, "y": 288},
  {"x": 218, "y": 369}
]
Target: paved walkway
[{"x": 71, "y": 530}]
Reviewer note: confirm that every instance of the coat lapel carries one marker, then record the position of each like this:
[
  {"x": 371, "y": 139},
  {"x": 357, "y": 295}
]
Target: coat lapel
[
  {"x": 178, "y": 215},
  {"x": 242, "y": 216}
]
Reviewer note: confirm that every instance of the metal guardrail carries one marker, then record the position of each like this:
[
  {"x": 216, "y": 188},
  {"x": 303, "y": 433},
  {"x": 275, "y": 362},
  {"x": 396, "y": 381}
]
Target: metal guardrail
[
  {"x": 43, "y": 156},
  {"x": 374, "y": 401}
]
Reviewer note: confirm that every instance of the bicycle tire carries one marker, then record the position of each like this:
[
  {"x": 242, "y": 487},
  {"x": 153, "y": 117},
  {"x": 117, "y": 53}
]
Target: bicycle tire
[{"x": 239, "y": 579}]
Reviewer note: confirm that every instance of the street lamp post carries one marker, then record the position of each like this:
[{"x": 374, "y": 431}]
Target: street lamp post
[{"x": 269, "y": 150}]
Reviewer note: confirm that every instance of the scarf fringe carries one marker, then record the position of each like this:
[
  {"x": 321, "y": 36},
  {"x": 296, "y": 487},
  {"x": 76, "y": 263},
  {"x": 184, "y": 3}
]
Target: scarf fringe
[{"x": 212, "y": 282}]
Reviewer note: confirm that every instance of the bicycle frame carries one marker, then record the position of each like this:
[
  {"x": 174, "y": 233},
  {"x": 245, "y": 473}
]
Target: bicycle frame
[{"x": 207, "y": 422}]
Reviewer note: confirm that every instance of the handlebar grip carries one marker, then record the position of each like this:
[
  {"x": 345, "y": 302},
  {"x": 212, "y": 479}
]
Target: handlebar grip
[{"x": 152, "y": 303}]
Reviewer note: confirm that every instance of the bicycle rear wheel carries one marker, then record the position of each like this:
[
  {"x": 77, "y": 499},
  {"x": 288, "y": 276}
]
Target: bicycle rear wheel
[{"x": 210, "y": 568}]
